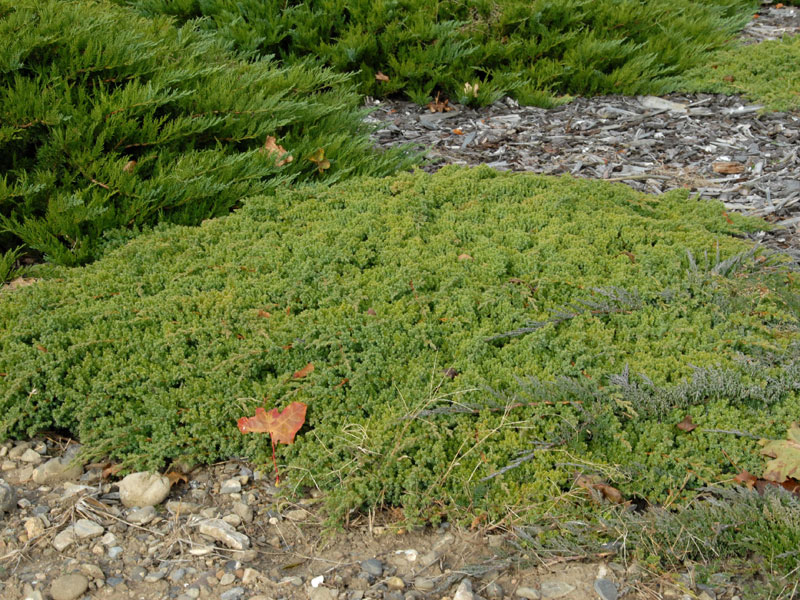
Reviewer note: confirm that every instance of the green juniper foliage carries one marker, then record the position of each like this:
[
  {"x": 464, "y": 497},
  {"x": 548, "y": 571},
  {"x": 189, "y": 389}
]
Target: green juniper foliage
[
  {"x": 733, "y": 531},
  {"x": 531, "y": 49},
  {"x": 768, "y": 73},
  {"x": 394, "y": 288},
  {"x": 88, "y": 87}
]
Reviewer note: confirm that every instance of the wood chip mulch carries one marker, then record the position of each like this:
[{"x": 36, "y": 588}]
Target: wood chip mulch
[{"x": 720, "y": 147}]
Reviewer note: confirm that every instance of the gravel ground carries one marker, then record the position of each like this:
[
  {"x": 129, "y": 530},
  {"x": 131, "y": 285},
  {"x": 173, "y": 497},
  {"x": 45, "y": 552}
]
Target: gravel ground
[{"x": 225, "y": 532}]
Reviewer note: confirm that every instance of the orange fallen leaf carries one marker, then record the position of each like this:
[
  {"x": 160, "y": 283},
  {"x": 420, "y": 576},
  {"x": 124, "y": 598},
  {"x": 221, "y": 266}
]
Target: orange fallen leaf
[
  {"x": 381, "y": 77},
  {"x": 458, "y": 132},
  {"x": 307, "y": 370},
  {"x": 281, "y": 426},
  {"x": 746, "y": 478},
  {"x": 264, "y": 314},
  {"x": 779, "y": 5},
  {"x": 176, "y": 476},
  {"x": 610, "y": 493},
  {"x": 599, "y": 489},
  {"x": 727, "y": 217},
  {"x": 686, "y": 425},
  {"x": 272, "y": 148},
  {"x": 729, "y": 78},
  {"x": 111, "y": 470}
]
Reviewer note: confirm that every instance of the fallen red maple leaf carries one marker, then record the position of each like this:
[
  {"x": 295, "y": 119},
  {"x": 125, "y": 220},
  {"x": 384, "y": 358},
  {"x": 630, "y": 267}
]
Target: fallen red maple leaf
[
  {"x": 281, "y": 426},
  {"x": 307, "y": 370}
]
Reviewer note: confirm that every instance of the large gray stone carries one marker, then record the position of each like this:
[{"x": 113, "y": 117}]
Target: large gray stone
[
  {"x": 141, "y": 516},
  {"x": 64, "y": 539},
  {"x": 528, "y": 593},
  {"x": 555, "y": 589},
  {"x": 8, "y": 497},
  {"x": 372, "y": 566},
  {"x": 143, "y": 489},
  {"x": 61, "y": 468},
  {"x": 31, "y": 456},
  {"x": 86, "y": 529},
  {"x": 322, "y": 593},
  {"x": 464, "y": 591},
  {"x": 222, "y": 532},
  {"x": 607, "y": 590},
  {"x": 69, "y": 587}
]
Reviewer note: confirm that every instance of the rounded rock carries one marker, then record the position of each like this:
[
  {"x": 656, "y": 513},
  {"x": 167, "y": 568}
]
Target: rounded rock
[
  {"x": 607, "y": 590},
  {"x": 232, "y": 594},
  {"x": 423, "y": 584},
  {"x": 372, "y": 566},
  {"x": 464, "y": 591},
  {"x": 69, "y": 587},
  {"x": 143, "y": 489},
  {"x": 60, "y": 468},
  {"x": 8, "y": 497},
  {"x": 528, "y": 593},
  {"x": 494, "y": 591}
]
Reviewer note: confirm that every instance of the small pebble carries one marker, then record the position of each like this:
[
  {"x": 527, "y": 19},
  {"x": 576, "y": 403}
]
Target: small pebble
[
  {"x": 555, "y": 589},
  {"x": 230, "y": 486},
  {"x": 423, "y": 584},
  {"x": 395, "y": 583},
  {"x": 232, "y": 594}
]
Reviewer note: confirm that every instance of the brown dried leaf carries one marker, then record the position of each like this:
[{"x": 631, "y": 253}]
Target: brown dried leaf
[
  {"x": 264, "y": 314},
  {"x": 129, "y": 166},
  {"x": 439, "y": 105},
  {"x": 728, "y": 167},
  {"x": 19, "y": 282},
  {"x": 686, "y": 425},
  {"x": 271, "y": 148},
  {"x": 610, "y": 493},
  {"x": 599, "y": 489},
  {"x": 111, "y": 470},
  {"x": 464, "y": 257},
  {"x": 450, "y": 373},
  {"x": 746, "y": 478},
  {"x": 381, "y": 77},
  {"x": 307, "y": 370}
]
